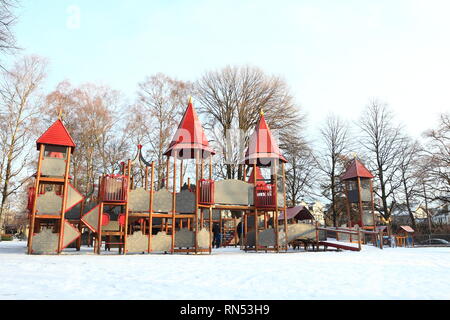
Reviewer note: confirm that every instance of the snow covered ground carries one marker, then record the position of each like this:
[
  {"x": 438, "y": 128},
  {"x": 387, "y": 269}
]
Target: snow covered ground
[{"x": 401, "y": 273}]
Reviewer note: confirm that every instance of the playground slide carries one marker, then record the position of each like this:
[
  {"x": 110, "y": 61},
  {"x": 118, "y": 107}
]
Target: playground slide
[{"x": 338, "y": 246}]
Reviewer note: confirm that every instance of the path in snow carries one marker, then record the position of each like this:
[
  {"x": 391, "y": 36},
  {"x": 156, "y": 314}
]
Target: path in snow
[{"x": 401, "y": 273}]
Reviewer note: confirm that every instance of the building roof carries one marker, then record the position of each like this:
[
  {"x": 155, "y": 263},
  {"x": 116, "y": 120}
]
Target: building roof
[
  {"x": 189, "y": 137},
  {"x": 356, "y": 169},
  {"x": 263, "y": 148},
  {"x": 299, "y": 212},
  {"x": 57, "y": 135},
  {"x": 407, "y": 229}
]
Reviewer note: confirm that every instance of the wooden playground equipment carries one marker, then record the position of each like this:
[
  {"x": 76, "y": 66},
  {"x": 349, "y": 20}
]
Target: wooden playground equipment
[{"x": 132, "y": 215}]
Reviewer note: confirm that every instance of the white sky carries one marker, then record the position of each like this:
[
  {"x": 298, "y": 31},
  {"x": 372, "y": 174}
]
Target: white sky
[{"x": 335, "y": 55}]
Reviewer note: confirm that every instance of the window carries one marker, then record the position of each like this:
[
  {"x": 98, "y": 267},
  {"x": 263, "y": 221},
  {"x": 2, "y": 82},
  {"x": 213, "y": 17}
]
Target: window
[{"x": 55, "y": 152}]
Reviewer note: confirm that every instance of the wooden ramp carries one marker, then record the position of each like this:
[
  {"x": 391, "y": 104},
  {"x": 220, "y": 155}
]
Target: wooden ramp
[{"x": 338, "y": 246}]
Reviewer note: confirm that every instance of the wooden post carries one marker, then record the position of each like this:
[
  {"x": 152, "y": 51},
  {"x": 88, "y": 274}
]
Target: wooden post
[
  {"x": 150, "y": 222},
  {"x": 372, "y": 203},
  {"x": 275, "y": 189},
  {"x": 167, "y": 172},
  {"x": 181, "y": 174},
  {"x": 359, "y": 237},
  {"x": 126, "y": 209},
  {"x": 284, "y": 201},
  {"x": 98, "y": 245},
  {"x": 196, "y": 201},
  {"x": 36, "y": 192},
  {"x": 256, "y": 210},
  {"x": 361, "y": 211},
  {"x": 210, "y": 167},
  {"x": 64, "y": 200},
  {"x": 210, "y": 229},
  {"x": 174, "y": 197},
  {"x": 80, "y": 226}
]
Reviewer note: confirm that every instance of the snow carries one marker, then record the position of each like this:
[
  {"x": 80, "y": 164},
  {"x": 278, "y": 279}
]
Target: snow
[{"x": 228, "y": 274}]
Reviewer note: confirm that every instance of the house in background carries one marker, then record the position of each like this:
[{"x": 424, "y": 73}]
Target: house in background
[
  {"x": 442, "y": 215},
  {"x": 317, "y": 209}
]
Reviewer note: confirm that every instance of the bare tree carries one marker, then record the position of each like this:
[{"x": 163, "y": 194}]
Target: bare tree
[
  {"x": 19, "y": 105},
  {"x": 301, "y": 172},
  {"x": 382, "y": 140},
  {"x": 231, "y": 101},
  {"x": 155, "y": 116},
  {"x": 408, "y": 166},
  {"x": 7, "y": 21},
  {"x": 437, "y": 159},
  {"x": 93, "y": 116},
  {"x": 331, "y": 162}
]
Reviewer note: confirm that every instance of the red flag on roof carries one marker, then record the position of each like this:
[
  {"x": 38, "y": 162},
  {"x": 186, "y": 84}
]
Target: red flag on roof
[
  {"x": 356, "y": 169},
  {"x": 262, "y": 146},
  {"x": 57, "y": 135},
  {"x": 189, "y": 135}
]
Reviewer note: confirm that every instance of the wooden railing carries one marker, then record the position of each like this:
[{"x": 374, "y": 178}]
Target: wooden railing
[
  {"x": 206, "y": 191},
  {"x": 114, "y": 188},
  {"x": 265, "y": 196}
]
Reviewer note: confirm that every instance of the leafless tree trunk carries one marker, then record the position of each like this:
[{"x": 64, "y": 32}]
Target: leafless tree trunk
[
  {"x": 301, "y": 172},
  {"x": 437, "y": 160},
  {"x": 331, "y": 162},
  {"x": 231, "y": 101},
  {"x": 93, "y": 116},
  {"x": 7, "y": 21},
  {"x": 156, "y": 115},
  {"x": 408, "y": 167},
  {"x": 382, "y": 140},
  {"x": 19, "y": 106}
]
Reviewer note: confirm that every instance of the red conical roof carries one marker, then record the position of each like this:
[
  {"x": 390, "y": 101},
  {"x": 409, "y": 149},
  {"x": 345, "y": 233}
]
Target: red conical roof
[
  {"x": 56, "y": 134},
  {"x": 189, "y": 135},
  {"x": 356, "y": 169},
  {"x": 259, "y": 176},
  {"x": 262, "y": 146}
]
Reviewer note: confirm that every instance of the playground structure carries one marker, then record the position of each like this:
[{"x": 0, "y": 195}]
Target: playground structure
[{"x": 132, "y": 215}]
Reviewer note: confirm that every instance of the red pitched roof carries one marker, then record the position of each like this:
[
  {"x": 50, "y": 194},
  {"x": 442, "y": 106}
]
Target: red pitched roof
[
  {"x": 262, "y": 146},
  {"x": 56, "y": 134},
  {"x": 189, "y": 135},
  {"x": 259, "y": 176},
  {"x": 356, "y": 169}
]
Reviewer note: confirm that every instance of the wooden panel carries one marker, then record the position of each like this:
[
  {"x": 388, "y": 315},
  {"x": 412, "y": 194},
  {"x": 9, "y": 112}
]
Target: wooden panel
[
  {"x": 49, "y": 203},
  {"x": 139, "y": 200},
  {"x": 53, "y": 167},
  {"x": 233, "y": 192},
  {"x": 301, "y": 231},
  {"x": 203, "y": 239},
  {"x": 45, "y": 242},
  {"x": 185, "y": 202},
  {"x": 137, "y": 242},
  {"x": 70, "y": 234},
  {"x": 162, "y": 201},
  {"x": 184, "y": 239},
  {"x": 90, "y": 219},
  {"x": 73, "y": 197},
  {"x": 367, "y": 218},
  {"x": 161, "y": 242}
]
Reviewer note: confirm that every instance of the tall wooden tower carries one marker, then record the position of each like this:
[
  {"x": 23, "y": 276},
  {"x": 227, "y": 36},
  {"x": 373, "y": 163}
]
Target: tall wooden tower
[
  {"x": 269, "y": 197},
  {"x": 52, "y": 195},
  {"x": 358, "y": 186}
]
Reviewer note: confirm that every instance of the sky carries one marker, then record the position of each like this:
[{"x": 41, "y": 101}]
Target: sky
[{"x": 335, "y": 55}]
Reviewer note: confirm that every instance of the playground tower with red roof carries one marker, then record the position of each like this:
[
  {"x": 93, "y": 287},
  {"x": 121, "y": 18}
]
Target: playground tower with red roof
[
  {"x": 269, "y": 198},
  {"x": 358, "y": 188},
  {"x": 52, "y": 195}
]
